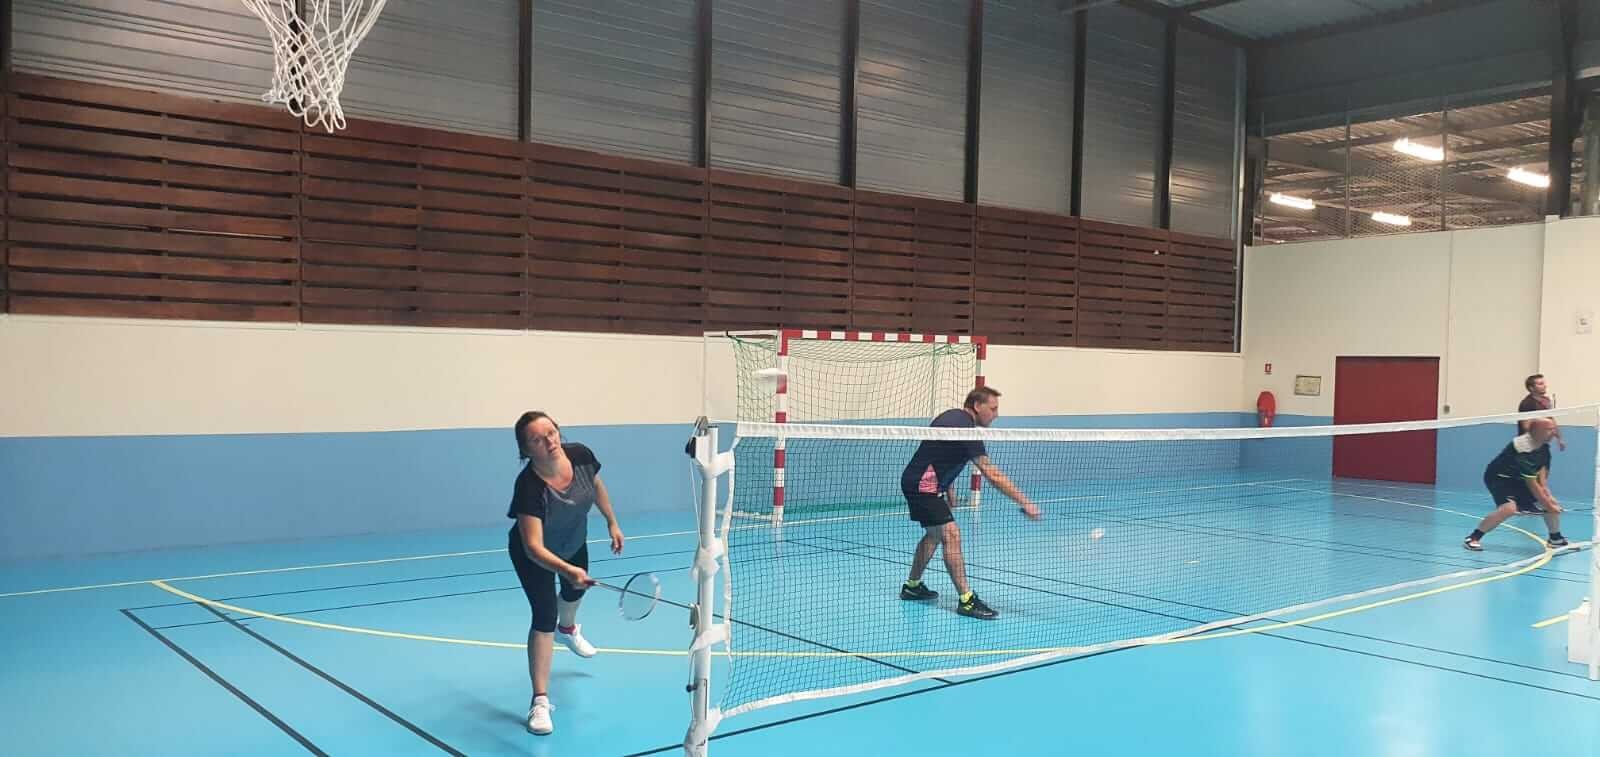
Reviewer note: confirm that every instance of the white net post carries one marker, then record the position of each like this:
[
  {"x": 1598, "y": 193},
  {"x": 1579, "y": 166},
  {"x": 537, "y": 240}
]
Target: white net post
[
  {"x": 978, "y": 383},
  {"x": 780, "y": 415},
  {"x": 709, "y": 558},
  {"x": 1594, "y": 569}
]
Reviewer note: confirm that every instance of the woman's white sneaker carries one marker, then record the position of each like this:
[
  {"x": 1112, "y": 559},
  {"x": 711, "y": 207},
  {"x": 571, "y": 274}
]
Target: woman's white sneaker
[
  {"x": 539, "y": 722},
  {"x": 575, "y": 641}
]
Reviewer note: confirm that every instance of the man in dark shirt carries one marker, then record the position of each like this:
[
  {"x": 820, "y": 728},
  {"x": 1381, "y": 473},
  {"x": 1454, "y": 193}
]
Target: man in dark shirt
[
  {"x": 1518, "y": 480},
  {"x": 932, "y": 472},
  {"x": 1538, "y": 399}
]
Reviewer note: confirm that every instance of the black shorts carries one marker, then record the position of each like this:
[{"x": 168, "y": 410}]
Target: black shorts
[
  {"x": 929, "y": 509},
  {"x": 539, "y": 582},
  {"x": 1505, "y": 490}
]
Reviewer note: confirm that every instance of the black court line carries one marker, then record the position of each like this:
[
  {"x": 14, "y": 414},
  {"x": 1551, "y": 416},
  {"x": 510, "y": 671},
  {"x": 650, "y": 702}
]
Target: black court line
[
  {"x": 1310, "y": 543},
  {"x": 1292, "y": 506},
  {"x": 973, "y": 575},
  {"x": 1165, "y": 519},
  {"x": 1326, "y": 545},
  {"x": 346, "y": 688},
  {"x": 1448, "y": 652},
  {"x": 902, "y": 695},
  {"x": 663, "y": 600},
  {"x": 965, "y": 681},
  {"x": 1235, "y": 613},
  {"x": 228, "y": 618},
  {"x": 220, "y": 681},
  {"x": 379, "y": 603}
]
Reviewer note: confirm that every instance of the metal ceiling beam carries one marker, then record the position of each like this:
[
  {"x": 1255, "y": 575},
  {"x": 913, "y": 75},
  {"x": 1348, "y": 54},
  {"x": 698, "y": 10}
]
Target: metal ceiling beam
[
  {"x": 1375, "y": 20},
  {"x": 1563, "y": 30},
  {"x": 1192, "y": 23},
  {"x": 1457, "y": 129},
  {"x": 1324, "y": 160},
  {"x": 1204, "y": 5},
  {"x": 1164, "y": 12}
]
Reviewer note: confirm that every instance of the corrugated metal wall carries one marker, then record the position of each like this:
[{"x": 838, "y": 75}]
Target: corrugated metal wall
[
  {"x": 1204, "y": 136},
  {"x": 1122, "y": 115},
  {"x": 207, "y": 48},
  {"x": 446, "y": 64},
  {"x": 911, "y": 132},
  {"x": 619, "y": 76},
  {"x": 1025, "y": 123},
  {"x": 1588, "y": 53},
  {"x": 776, "y": 68},
  {"x": 616, "y": 76}
]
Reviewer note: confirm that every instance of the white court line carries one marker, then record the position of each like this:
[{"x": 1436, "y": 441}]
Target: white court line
[
  {"x": 473, "y": 553},
  {"x": 297, "y": 568}
]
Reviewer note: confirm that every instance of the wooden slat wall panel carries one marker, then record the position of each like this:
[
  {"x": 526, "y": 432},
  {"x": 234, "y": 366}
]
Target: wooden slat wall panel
[
  {"x": 779, "y": 254},
  {"x": 616, "y": 244},
  {"x": 913, "y": 264},
  {"x": 415, "y": 227},
  {"x": 5, "y": 252},
  {"x": 1202, "y": 300},
  {"x": 1027, "y": 271},
  {"x": 136, "y": 204},
  {"x": 1122, "y": 286}
]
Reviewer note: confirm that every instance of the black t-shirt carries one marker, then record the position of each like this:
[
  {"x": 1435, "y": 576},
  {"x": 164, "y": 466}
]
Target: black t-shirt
[
  {"x": 1519, "y": 460},
  {"x": 1529, "y": 404},
  {"x": 565, "y": 513},
  {"x": 936, "y": 463}
]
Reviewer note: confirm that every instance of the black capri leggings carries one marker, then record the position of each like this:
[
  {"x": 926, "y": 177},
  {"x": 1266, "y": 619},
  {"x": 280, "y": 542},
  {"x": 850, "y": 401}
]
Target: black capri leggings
[{"x": 537, "y": 583}]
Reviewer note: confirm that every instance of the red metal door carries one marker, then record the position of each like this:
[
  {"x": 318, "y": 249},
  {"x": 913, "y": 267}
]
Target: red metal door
[{"x": 1382, "y": 390}]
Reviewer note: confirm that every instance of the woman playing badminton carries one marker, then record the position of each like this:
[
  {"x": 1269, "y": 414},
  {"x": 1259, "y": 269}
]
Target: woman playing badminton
[{"x": 551, "y": 504}]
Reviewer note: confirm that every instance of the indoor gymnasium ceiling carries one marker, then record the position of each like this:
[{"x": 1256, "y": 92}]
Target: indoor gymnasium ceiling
[{"x": 1284, "y": 20}]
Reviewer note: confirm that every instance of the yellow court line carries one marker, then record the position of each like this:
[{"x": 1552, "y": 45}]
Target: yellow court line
[
  {"x": 1550, "y": 621},
  {"x": 1535, "y": 565}
]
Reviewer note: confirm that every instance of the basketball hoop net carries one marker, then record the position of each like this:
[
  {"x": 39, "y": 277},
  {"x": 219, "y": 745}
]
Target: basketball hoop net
[{"x": 310, "y": 54}]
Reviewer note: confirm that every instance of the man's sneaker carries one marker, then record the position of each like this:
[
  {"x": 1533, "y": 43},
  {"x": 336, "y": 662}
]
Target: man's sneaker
[
  {"x": 575, "y": 641},
  {"x": 539, "y": 717},
  {"x": 918, "y": 592},
  {"x": 1473, "y": 544},
  {"x": 1557, "y": 542},
  {"x": 975, "y": 608}
]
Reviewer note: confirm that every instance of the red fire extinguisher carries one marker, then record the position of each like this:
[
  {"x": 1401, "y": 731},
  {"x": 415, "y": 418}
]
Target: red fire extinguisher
[{"x": 1266, "y": 408}]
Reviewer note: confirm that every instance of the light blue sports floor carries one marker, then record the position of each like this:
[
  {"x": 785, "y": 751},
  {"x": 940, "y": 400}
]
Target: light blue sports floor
[{"x": 100, "y": 658}]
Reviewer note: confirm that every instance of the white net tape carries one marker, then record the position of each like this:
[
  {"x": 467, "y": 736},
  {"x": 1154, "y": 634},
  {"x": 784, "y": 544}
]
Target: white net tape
[{"x": 311, "y": 54}]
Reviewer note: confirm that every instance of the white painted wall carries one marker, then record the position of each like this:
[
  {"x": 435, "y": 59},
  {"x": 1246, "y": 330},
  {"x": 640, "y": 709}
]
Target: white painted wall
[
  {"x": 1471, "y": 298},
  {"x": 1059, "y": 381},
  {"x": 97, "y": 377},
  {"x": 1571, "y": 288},
  {"x": 92, "y": 377}
]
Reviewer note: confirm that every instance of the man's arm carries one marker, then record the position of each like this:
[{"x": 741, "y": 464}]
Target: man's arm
[
  {"x": 1541, "y": 491},
  {"x": 1003, "y": 483}
]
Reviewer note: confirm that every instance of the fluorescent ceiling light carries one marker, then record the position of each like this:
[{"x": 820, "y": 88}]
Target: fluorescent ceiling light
[
  {"x": 1528, "y": 177},
  {"x": 1303, "y": 203},
  {"x": 1391, "y": 219},
  {"x": 1405, "y": 145}
]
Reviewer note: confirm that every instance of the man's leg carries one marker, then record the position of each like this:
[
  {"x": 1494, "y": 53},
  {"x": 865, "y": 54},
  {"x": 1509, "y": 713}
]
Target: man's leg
[
  {"x": 925, "y": 550},
  {"x": 950, "y": 537}
]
